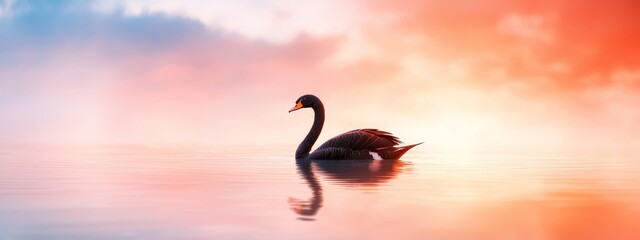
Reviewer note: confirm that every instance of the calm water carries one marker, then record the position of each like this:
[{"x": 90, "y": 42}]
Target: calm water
[{"x": 262, "y": 193}]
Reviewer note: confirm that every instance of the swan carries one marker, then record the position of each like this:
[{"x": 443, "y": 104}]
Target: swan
[{"x": 368, "y": 143}]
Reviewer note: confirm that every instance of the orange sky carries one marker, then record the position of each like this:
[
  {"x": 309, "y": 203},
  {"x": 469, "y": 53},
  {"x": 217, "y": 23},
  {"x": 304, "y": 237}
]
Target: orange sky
[{"x": 458, "y": 75}]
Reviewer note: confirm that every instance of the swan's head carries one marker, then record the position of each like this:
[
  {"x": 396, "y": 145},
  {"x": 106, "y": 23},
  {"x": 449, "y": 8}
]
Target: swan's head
[{"x": 305, "y": 102}]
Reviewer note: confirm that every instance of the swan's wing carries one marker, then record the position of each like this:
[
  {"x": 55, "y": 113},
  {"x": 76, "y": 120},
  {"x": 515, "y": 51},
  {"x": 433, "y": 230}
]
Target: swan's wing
[{"x": 361, "y": 139}]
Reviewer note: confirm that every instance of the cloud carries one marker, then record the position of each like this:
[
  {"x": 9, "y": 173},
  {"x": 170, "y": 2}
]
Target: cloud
[
  {"x": 272, "y": 20},
  {"x": 5, "y": 8},
  {"x": 527, "y": 65},
  {"x": 564, "y": 41},
  {"x": 73, "y": 75},
  {"x": 139, "y": 71},
  {"x": 526, "y": 27}
]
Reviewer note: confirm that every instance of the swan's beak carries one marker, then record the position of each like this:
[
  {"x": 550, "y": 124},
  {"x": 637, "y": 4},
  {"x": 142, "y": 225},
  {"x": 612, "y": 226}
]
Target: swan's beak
[{"x": 298, "y": 106}]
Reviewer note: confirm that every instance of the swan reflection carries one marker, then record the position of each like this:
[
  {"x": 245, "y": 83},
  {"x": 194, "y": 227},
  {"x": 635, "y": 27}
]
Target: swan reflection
[{"x": 368, "y": 173}]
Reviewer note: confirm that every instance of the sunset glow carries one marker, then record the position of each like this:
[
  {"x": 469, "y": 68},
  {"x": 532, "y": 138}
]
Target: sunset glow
[
  {"x": 165, "y": 119},
  {"x": 457, "y": 75}
]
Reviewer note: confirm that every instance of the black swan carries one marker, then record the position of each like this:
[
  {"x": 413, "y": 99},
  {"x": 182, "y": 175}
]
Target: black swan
[{"x": 357, "y": 144}]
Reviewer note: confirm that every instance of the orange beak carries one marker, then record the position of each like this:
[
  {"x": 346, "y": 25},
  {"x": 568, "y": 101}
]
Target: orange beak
[{"x": 298, "y": 106}]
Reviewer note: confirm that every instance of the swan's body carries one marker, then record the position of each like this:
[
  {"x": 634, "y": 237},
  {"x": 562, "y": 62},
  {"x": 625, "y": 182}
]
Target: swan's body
[{"x": 357, "y": 144}]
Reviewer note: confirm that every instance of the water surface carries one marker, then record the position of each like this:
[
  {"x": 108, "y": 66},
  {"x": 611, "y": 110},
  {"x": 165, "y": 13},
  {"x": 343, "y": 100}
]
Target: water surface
[{"x": 262, "y": 193}]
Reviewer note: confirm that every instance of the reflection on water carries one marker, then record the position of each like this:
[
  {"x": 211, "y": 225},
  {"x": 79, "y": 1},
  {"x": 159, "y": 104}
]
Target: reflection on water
[
  {"x": 309, "y": 207},
  {"x": 241, "y": 193},
  {"x": 355, "y": 172}
]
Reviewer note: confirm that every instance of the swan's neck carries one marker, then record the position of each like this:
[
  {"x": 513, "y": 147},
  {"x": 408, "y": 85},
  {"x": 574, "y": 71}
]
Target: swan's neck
[{"x": 305, "y": 146}]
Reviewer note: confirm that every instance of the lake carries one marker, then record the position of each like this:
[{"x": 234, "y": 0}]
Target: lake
[{"x": 124, "y": 192}]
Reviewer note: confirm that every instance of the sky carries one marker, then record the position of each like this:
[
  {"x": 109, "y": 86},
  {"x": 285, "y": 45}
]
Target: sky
[{"x": 457, "y": 75}]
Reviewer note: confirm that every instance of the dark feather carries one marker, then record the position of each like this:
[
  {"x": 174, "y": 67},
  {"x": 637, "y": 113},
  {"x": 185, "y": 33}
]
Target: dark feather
[
  {"x": 360, "y": 139},
  {"x": 394, "y": 152},
  {"x": 359, "y": 143}
]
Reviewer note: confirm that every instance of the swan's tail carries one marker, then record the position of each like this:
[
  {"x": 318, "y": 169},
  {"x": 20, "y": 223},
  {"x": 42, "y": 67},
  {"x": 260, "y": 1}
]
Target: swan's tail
[{"x": 395, "y": 152}]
